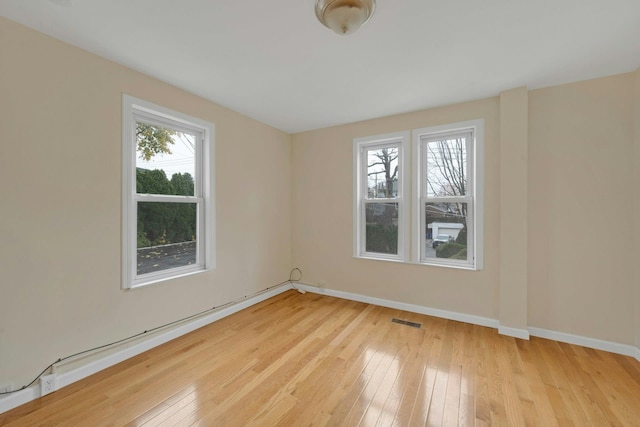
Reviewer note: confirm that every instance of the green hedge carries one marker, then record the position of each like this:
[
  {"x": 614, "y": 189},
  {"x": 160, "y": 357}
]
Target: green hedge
[
  {"x": 462, "y": 236},
  {"x": 164, "y": 223},
  {"x": 450, "y": 250},
  {"x": 382, "y": 238},
  {"x": 461, "y": 255}
]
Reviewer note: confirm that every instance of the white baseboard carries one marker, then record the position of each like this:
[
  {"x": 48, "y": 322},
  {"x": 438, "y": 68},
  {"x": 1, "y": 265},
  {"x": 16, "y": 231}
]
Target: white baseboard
[
  {"x": 523, "y": 334},
  {"x": 444, "y": 314},
  {"x": 638, "y": 354},
  {"x": 612, "y": 347},
  {"x": 18, "y": 398}
]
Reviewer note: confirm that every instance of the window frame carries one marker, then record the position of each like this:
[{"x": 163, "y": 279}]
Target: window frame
[
  {"x": 474, "y": 197},
  {"x": 134, "y": 110},
  {"x": 361, "y": 199}
]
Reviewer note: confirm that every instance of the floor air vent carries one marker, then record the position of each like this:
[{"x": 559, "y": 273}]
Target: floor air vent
[{"x": 406, "y": 322}]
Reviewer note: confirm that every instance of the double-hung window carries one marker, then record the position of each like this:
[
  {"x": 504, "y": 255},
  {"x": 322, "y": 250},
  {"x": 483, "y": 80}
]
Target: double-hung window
[
  {"x": 444, "y": 201},
  {"x": 167, "y": 194},
  {"x": 447, "y": 206},
  {"x": 380, "y": 204}
]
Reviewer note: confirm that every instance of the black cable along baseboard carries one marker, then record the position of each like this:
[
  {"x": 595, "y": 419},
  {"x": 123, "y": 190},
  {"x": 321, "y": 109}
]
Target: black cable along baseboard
[{"x": 166, "y": 325}]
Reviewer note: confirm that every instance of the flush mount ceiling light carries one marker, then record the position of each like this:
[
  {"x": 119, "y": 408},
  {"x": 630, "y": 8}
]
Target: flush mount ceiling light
[{"x": 344, "y": 16}]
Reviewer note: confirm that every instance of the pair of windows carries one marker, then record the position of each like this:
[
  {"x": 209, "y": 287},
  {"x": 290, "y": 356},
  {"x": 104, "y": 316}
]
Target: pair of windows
[
  {"x": 168, "y": 212},
  {"x": 437, "y": 183},
  {"x": 168, "y": 195}
]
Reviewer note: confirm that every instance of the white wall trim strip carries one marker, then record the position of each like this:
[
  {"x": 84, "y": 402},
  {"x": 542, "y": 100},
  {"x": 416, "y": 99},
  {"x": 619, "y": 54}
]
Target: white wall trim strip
[
  {"x": 18, "y": 398},
  {"x": 21, "y": 397},
  {"x": 444, "y": 314},
  {"x": 523, "y": 334},
  {"x": 612, "y": 347}
]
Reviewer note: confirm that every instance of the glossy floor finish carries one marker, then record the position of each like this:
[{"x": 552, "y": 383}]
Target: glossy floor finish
[{"x": 297, "y": 360}]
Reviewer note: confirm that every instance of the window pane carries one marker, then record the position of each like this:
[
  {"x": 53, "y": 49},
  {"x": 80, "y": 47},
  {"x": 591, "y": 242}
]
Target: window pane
[
  {"x": 166, "y": 236},
  {"x": 447, "y": 167},
  {"x": 165, "y": 160},
  {"x": 382, "y": 228},
  {"x": 382, "y": 173},
  {"x": 446, "y": 230}
]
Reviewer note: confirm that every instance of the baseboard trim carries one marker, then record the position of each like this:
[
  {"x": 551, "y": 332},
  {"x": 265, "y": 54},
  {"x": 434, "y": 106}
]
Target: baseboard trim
[
  {"x": 638, "y": 354},
  {"x": 18, "y": 398},
  {"x": 64, "y": 379},
  {"x": 523, "y": 334},
  {"x": 444, "y": 314},
  {"x": 612, "y": 347}
]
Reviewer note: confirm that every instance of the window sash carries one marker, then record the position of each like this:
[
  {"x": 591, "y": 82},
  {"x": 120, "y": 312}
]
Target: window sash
[
  {"x": 362, "y": 147},
  {"x": 423, "y": 259},
  {"x": 472, "y": 132},
  {"x": 364, "y": 188},
  {"x": 200, "y": 244},
  {"x": 423, "y": 173},
  {"x": 365, "y": 169},
  {"x": 363, "y": 231},
  {"x": 199, "y": 154},
  {"x": 425, "y": 140},
  {"x": 169, "y": 198}
]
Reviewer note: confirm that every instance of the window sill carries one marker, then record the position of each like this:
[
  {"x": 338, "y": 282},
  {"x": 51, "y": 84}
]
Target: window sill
[
  {"x": 422, "y": 263},
  {"x": 164, "y": 277}
]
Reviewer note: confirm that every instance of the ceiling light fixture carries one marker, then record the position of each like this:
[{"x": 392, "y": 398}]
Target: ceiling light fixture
[{"x": 344, "y": 16}]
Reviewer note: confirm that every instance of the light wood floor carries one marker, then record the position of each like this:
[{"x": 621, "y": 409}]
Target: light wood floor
[{"x": 298, "y": 360}]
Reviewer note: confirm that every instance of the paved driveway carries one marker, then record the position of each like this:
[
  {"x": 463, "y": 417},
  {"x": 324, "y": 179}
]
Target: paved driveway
[
  {"x": 428, "y": 250},
  {"x": 163, "y": 257}
]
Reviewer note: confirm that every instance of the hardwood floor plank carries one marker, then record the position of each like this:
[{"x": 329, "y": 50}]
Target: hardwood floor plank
[
  {"x": 452, "y": 396},
  {"x": 424, "y": 396},
  {"x": 552, "y": 354},
  {"x": 169, "y": 410},
  {"x": 372, "y": 358},
  {"x": 313, "y": 360},
  {"x": 587, "y": 392},
  {"x": 435, "y": 412},
  {"x": 481, "y": 380},
  {"x": 411, "y": 377},
  {"x": 421, "y": 409},
  {"x": 544, "y": 410},
  {"x": 383, "y": 404},
  {"x": 406, "y": 374},
  {"x": 357, "y": 415}
]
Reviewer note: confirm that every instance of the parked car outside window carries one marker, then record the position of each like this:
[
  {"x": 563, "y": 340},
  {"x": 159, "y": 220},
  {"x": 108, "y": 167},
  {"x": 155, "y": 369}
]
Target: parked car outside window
[{"x": 440, "y": 239}]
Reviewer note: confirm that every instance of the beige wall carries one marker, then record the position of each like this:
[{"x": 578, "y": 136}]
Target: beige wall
[
  {"x": 580, "y": 178},
  {"x": 60, "y": 155},
  {"x": 322, "y": 218}
]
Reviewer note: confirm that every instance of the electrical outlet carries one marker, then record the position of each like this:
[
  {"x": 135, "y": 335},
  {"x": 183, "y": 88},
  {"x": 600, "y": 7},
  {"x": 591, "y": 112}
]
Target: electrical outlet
[{"x": 47, "y": 384}]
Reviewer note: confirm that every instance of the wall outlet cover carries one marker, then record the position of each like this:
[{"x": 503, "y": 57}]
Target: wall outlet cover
[{"x": 47, "y": 384}]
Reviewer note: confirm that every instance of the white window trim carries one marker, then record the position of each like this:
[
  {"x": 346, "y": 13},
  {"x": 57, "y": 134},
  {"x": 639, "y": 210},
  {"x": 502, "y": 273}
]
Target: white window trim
[
  {"x": 402, "y": 139},
  {"x": 475, "y": 159},
  {"x": 205, "y": 177}
]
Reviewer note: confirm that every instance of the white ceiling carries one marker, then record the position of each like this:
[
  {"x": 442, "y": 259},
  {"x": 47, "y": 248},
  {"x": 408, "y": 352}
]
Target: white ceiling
[{"x": 273, "y": 61}]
